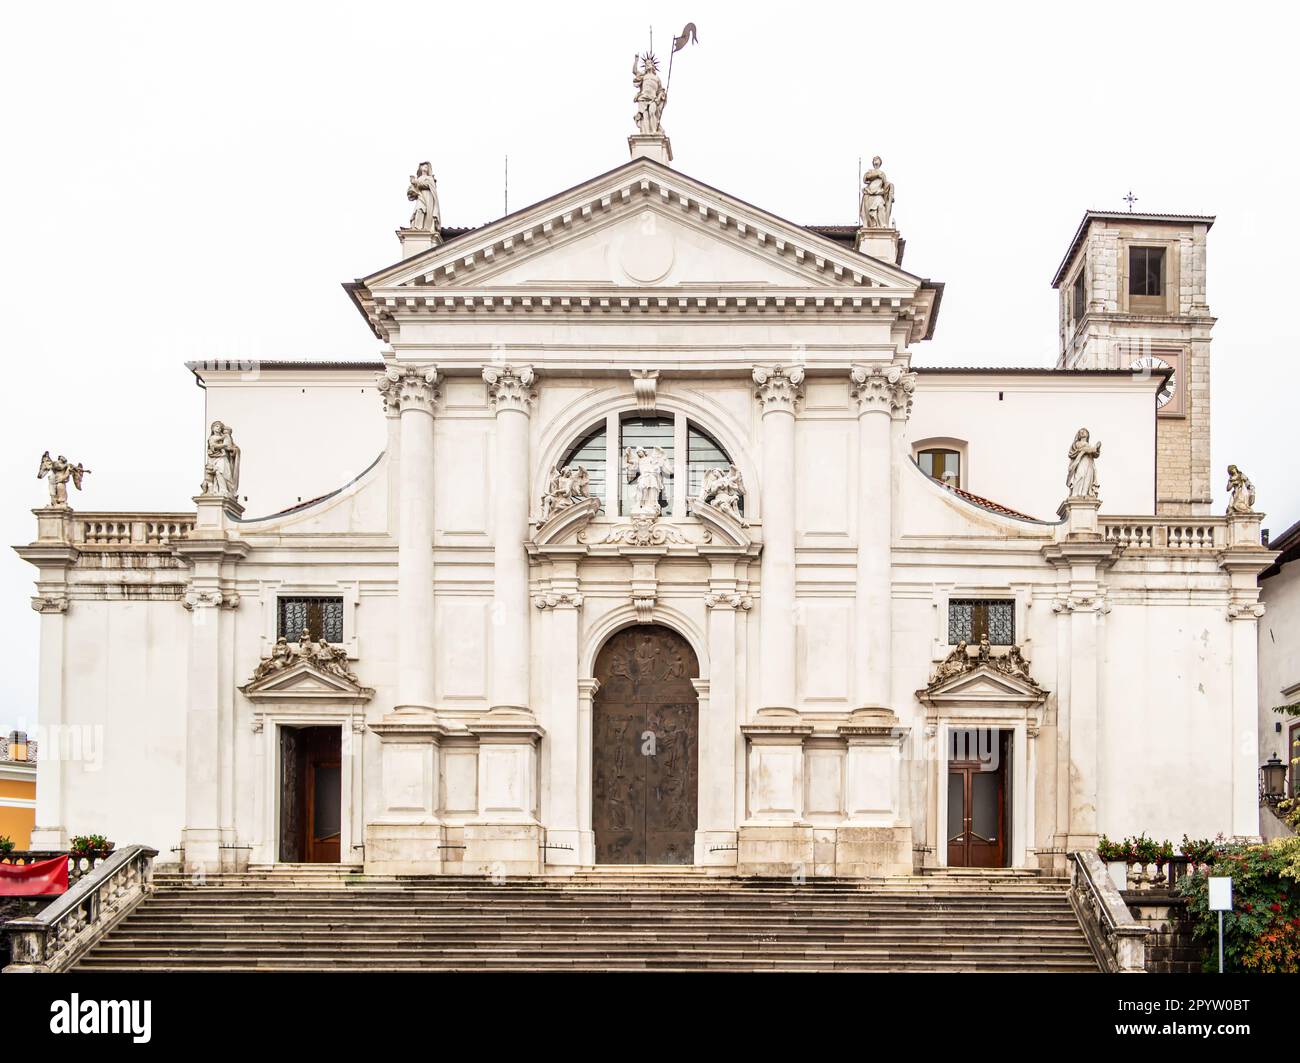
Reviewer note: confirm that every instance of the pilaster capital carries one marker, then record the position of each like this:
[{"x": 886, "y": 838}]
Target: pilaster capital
[
  {"x": 882, "y": 389},
  {"x": 558, "y": 600},
  {"x": 50, "y": 603},
  {"x": 779, "y": 387},
  {"x": 510, "y": 387},
  {"x": 727, "y": 600},
  {"x": 409, "y": 387}
]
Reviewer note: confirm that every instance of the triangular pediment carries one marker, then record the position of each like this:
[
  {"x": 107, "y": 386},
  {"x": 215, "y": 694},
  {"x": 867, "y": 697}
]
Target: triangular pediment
[
  {"x": 305, "y": 681},
  {"x": 984, "y": 684},
  {"x": 642, "y": 227}
]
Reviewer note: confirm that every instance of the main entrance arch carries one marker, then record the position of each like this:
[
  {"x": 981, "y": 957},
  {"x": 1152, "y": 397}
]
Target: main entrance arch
[{"x": 645, "y": 748}]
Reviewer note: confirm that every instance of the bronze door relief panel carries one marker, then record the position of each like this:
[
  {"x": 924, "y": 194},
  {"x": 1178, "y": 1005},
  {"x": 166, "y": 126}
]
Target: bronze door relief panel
[{"x": 645, "y": 749}]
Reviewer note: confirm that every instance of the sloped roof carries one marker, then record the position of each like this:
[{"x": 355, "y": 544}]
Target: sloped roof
[{"x": 1089, "y": 216}]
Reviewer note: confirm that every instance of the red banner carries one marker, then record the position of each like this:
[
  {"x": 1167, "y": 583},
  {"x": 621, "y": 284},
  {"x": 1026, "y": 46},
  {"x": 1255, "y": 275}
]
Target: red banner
[{"x": 40, "y": 879}]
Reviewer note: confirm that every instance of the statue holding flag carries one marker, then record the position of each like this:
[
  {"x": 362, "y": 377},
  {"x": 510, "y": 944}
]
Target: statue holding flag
[{"x": 651, "y": 90}]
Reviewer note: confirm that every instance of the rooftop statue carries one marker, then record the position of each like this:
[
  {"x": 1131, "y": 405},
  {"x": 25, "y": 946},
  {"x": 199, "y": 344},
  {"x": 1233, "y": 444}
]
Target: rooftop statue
[
  {"x": 423, "y": 192},
  {"x": 221, "y": 465},
  {"x": 651, "y": 95},
  {"x": 60, "y": 471},
  {"x": 877, "y": 209},
  {"x": 1241, "y": 492}
]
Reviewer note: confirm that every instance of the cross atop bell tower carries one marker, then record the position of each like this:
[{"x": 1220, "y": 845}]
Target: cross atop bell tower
[{"x": 1132, "y": 296}]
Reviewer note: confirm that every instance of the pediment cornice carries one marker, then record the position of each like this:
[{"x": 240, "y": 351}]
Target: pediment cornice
[
  {"x": 463, "y": 274},
  {"x": 305, "y": 682},
  {"x": 983, "y": 685}
]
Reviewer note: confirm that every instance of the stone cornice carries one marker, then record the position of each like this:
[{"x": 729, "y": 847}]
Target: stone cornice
[{"x": 510, "y": 387}]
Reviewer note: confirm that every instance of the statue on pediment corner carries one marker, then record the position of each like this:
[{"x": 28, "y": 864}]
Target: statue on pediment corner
[
  {"x": 565, "y": 487},
  {"x": 957, "y": 662},
  {"x": 280, "y": 659},
  {"x": 1241, "y": 492},
  {"x": 60, "y": 471},
  {"x": 1081, "y": 479},
  {"x": 877, "y": 207},
  {"x": 723, "y": 489},
  {"x": 423, "y": 192}
]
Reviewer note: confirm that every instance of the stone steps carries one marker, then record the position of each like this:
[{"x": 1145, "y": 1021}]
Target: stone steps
[{"x": 333, "y": 919}]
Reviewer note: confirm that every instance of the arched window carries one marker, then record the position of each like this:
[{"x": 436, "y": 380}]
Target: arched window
[
  {"x": 671, "y": 432},
  {"x": 942, "y": 464}
]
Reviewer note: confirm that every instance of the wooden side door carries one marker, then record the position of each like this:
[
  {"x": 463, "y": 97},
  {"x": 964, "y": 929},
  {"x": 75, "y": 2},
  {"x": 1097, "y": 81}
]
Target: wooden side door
[
  {"x": 322, "y": 795},
  {"x": 977, "y": 798}
]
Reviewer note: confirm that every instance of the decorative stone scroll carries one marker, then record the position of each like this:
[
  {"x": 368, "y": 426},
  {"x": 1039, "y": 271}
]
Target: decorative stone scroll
[
  {"x": 779, "y": 387},
  {"x": 409, "y": 387},
  {"x": 510, "y": 387},
  {"x": 645, "y": 530},
  {"x": 888, "y": 388}
]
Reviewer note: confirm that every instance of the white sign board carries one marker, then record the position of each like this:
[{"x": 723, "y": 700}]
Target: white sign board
[{"x": 1220, "y": 894}]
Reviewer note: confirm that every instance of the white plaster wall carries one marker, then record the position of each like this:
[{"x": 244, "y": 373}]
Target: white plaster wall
[
  {"x": 125, "y": 714},
  {"x": 301, "y": 433},
  {"x": 1279, "y": 657},
  {"x": 1019, "y": 428}
]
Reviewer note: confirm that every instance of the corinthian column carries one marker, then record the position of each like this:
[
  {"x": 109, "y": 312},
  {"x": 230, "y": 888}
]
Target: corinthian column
[
  {"x": 414, "y": 391},
  {"x": 881, "y": 393},
  {"x": 778, "y": 390},
  {"x": 510, "y": 394}
]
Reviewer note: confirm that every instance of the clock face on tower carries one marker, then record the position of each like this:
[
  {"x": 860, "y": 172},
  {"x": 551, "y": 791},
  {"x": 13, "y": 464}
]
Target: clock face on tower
[{"x": 1149, "y": 364}]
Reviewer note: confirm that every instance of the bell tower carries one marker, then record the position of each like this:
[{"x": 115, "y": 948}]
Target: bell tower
[{"x": 1132, "y": 296}]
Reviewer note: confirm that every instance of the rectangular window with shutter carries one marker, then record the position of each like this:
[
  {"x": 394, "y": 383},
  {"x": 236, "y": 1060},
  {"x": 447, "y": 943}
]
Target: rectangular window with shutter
[
  {"x": 970, "y": 618},
  {"x": 321, "y": 617}
]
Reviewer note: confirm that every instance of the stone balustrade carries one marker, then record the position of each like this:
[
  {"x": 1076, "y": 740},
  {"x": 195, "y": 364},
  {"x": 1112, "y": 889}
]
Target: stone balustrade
[
  {"x": 1117, "y": 939},
  {"x": 130, "y": 529},
  {"x": 55, "y": 938},
  {"x": 1182, "y": 534}
]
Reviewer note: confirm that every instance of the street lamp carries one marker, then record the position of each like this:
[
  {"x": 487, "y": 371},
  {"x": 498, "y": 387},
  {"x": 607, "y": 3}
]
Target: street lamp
[{"x": 1272, "y": 780}]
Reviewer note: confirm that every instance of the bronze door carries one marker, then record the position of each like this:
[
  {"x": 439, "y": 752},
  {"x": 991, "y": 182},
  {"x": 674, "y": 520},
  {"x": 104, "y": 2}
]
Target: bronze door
[
  {"x": 645, "y": 749},
  {"x": 977, "y": 797}
]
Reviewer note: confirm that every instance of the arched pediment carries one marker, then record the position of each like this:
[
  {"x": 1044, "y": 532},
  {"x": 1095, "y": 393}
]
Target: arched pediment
[
  {"x": 724, "y": 529},
  {"x": 564, "y": 526}
]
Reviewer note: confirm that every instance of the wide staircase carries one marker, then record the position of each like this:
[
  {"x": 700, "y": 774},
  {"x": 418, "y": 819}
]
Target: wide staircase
[{"x": 327, "y": 918}]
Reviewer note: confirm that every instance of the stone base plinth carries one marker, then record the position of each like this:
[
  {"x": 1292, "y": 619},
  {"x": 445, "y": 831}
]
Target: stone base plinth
[
  {"x": 211, "y": 850},
  {"x": 716, "y": 848},
  {"x": 873, "y": 852},
  {"x": 650, "y": 146},
  {"x": 404, "y": 849},
  {"x": 503, "y": 849},
  {"x": 568, "y": 848},
  {"x": 880, "y": 244},
  {"x": 775, "y": 850}
]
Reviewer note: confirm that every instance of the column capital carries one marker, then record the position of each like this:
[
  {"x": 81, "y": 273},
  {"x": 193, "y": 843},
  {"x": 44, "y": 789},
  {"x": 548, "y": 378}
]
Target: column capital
[
  {"x": 882, "y": 389},
  {"x": 510, "y": 387},
  {"x": 779, "y": 387},
  {"x": 409, "y": 387}
]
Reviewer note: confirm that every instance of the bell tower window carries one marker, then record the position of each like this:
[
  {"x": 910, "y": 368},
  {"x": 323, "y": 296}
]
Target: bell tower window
[{"x": 1146, "y": 271}]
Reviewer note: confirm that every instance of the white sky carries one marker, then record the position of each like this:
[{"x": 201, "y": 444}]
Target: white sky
[{"x": 185, "y": 181}]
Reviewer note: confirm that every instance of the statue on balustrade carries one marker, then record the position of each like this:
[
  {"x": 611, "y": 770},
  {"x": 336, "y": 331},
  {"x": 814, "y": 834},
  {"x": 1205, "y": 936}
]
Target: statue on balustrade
[
  {"x": 423, "y": 192},
  {"x": 877, "y": 208},
  {"x": 1241, "y": 492},
  {"x": 60, "y": 471}
]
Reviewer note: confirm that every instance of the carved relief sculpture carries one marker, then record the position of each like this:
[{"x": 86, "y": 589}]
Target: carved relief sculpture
[
  {"x": 1241, "y": 492},
  {"x": 1082, "y": 476},
  {"x": 60, "y": 471},
  {"x": 723, "y": 489},
  {"x": 423, "y": 192},
  {"x": 877, "y": 209},
  {"x": 221, "y": 465},
  {"x": 957, "y": 662},
  {"x": 651, "y": 95},
  {"x": 565, "y": 487}
]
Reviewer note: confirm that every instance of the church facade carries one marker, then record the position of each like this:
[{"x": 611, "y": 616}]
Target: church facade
[{"x": 645, "y": 542}]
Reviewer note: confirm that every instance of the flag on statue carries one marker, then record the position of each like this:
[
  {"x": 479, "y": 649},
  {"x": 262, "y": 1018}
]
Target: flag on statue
[{"x": 687, "y": 37}]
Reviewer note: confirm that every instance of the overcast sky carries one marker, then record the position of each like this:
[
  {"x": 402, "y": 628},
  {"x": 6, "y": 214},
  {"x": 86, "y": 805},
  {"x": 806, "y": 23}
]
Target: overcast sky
[{"x": 186, "y": 181}]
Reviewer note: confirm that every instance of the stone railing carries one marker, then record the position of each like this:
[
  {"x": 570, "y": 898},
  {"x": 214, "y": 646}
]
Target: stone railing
[
  {"x": 130, "y": 529},
  {"x": 1180, "y": 534},
  {"x": 54, "y": 939},
  {"x": 1118, "y": 940},
  {"x": 78, "y": 864}
]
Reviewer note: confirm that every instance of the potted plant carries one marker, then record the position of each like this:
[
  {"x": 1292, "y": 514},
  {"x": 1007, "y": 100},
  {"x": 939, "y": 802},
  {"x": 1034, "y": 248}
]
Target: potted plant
[
  {"x": 90, "y": 846},
  {"x": 1115, "y": 856},
  {"x": 7, "y": 846},
  {"x": 1145, "y": 852}
]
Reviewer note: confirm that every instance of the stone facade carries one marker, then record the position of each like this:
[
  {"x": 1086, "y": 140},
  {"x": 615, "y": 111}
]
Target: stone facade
[{"x": 645, "y": 309}]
